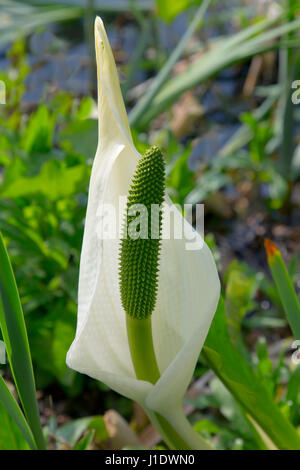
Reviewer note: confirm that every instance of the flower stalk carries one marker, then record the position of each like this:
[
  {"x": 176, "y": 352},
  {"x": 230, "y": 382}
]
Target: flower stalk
[
  {"x": 141, "y": 349},
  {"x": 140, "y": 342}
]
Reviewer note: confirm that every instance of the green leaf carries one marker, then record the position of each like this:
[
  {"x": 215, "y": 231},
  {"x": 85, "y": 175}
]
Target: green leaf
[
  {"x": 17, "y": 347},
  {"x": 244, "y": 134},
  {"x": 293, "y": 396},
  {"x": 22, "y": 19},
  {"x": 11, "y": 437},
  {"x": 208, "y": 183},
  {"x": 81, "y": 136},
  {"x": 284, "y": 286},
  {"x": 244, "y": 44},
  {"x": 285, "y": 112},
  {"x": 55, "y": 181},
  {"x": 245, "y": 384},
  {"x": 71, "y": 432},
  {"x": 206, "y": 425},
  {"x": 85, "y": 108},
  {"x": 264, "y": 364},
  {"x": 142, "y": 105},
  {"x": 50, "y": 339},
  {"x": 85, "y": 442},
  {"x": 98, "y": 425},
  {"x": 180, "y": 178},
  {"x": 235, "y": 414},
  {"x": 12, "y": 409},
  {"x": 240, "y": 288},
  {"x": 168, "y": 9},
  {"x": 39, "y": 131}
]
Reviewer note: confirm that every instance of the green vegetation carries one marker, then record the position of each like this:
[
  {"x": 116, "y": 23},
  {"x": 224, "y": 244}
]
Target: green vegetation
[{"x": 249, "y": 184}]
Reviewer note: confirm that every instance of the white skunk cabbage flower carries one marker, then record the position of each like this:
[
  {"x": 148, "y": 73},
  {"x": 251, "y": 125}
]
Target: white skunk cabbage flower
[{"x": 188, "y": 289}]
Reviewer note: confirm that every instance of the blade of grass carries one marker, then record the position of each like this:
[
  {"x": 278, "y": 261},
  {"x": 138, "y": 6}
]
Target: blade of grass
[
  {"x": 15, "y": 337},
  {"x": 164, "y": 73},
  {"x": 13, "y": 409},
  {"x": 284, "y": 116},
  {"x": 222, "y": 55},
  {"x": 89, "y": 18},
  {"x": 140, "y": 108},
  {"x": 145, "y": 27},
  {"x": 284, "y": 286},
  {"x": 286, "y": 108},
  {"x": 116, "y": 6},
  {"x": 24, "y": 24}
]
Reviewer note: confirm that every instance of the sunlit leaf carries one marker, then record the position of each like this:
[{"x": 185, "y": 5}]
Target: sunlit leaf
[
  {"x": 54, "y": 182},
  {"x": 16, "y": 342},
  {"x": 245, "y": 384},
  {"x": 11, "y": 409}
]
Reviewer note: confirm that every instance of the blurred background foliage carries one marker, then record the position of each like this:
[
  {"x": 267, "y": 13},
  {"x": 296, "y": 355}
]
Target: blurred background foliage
[{"x": 212, "y": 86}]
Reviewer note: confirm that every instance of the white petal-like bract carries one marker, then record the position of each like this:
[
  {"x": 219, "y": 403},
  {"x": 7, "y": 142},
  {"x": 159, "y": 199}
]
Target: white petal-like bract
[{"x": 188, "y": 281}]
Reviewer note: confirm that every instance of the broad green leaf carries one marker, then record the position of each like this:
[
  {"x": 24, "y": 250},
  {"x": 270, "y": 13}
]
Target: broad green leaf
[
  {"x": 85, "y": 108},
  {"x": 245, "y": 384},
  {"x": 168, "y": 9},
  {"x": 17, "y": 347},
  {"x": 55, "y": 181},
  {"x": 71, "y": 432},
  {"x": 9, "y": 403},
  {"x": 31, "y": 241},
  {"x": 98, "y": 425},
  {"x": 50, "y": 338},
  {"x": 39, "y": 131},
  {"x": 80, "y": 136}
]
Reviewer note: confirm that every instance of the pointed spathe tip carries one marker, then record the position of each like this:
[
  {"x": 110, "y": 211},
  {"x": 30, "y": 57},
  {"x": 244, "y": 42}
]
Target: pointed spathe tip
[
  {"x": 98, "y": 22},
  {"x": 99, "y": 28}
]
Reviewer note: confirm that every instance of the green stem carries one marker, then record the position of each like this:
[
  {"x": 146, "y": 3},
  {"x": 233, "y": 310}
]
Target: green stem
[
  {"x": 176, "y": 442},
  {"x": 140, "y": 341},
  {"x": 139, "y": 332}
]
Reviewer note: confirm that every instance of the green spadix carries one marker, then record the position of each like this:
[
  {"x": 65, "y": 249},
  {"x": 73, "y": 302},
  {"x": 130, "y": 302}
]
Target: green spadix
[{"x": 139, "y": 254}]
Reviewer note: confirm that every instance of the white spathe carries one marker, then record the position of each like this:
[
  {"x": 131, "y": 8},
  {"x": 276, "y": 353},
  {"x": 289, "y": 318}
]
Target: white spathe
[{"x": 189, "y": 286}]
